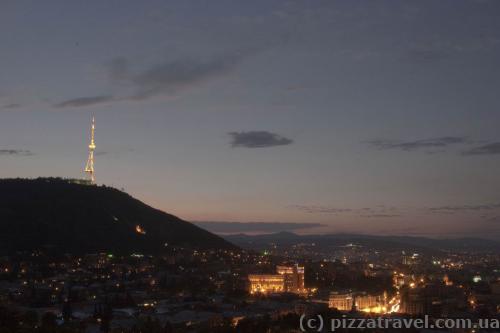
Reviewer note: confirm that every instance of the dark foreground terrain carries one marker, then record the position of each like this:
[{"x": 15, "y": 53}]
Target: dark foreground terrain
[{"x": 67, "y": 216}]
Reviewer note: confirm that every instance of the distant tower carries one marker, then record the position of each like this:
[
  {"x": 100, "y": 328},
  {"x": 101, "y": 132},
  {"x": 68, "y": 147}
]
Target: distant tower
[{"x": 89, "y": 168}]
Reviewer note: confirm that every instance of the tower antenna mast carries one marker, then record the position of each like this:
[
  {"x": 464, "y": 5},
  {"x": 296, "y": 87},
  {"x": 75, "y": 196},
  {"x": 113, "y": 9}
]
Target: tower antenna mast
[{"x": 89, "y": 167}]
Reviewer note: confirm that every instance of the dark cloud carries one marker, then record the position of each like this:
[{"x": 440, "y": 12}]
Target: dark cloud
[
  {"x": 380, "y": 215},
  {"x": 258, "y": 139},
  {"x": 101, "y": 153},
  {"x": 169, "y": 77},
  {"x": 114, "y": 152},
  {"x": 12, "y": 106},
  {"x": 492, "y": 219},
  {"x": 85, "y": 101},
  {"x": 440, "y": 142},
  {"x": 253, "y": 227},
  {"x": 321, "y": 209},
  {"x": 487, "y": 149},
  {"x": 165, "y": 78},
  {"x": 15, "y": 152},
  {"x": 375, "y": 212},
  {"x": 463, "y": 208}
]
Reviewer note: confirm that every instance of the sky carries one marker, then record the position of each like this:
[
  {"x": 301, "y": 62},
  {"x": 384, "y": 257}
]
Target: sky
[{"x": 376, "y": 117}]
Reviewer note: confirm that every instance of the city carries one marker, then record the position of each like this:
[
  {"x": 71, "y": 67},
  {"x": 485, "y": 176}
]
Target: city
[
  {"x": 231, "y": 166},
  {"x": 240, "y": 290}
]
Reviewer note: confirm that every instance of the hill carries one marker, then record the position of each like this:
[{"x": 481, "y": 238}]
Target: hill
[{"x": 68, "y": 216}]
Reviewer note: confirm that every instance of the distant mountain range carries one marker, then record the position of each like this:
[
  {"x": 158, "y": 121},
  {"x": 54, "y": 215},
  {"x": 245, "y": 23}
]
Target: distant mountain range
[
  {"x": 285, "y": 239},
  {"x": 226, "y": 228},
  {"x": 69, "y": 216}
]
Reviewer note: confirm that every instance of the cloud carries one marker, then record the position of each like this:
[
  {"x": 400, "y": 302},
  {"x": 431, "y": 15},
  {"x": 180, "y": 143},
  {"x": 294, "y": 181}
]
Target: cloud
[
  {"x": 490, "y": 218},
  {"x": 376, "y": 212},
  {"x": 487, "y": 149},
  {"x": 165, "y": 78},
  {"x": 239, "y": 227},
  {"x": 12, "y": 106},
  {"x": 381, "y": 215},
  {"x": 438, "y": 145},
  {"x": 320, "y": 209},
  {"x": 85, "y": 101},
  {"x": 258, "y": 139},
  {"x": 101, "y": 153},
  {"x": 440, "y": 142},
  {"x": 15, "y": 152},
  {"x": 114, "y": 152},
  {"x": 169, "y": 77},
  {"x": 463, "y": 208}
]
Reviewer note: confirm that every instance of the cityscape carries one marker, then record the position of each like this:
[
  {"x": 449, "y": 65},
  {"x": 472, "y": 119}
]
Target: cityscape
[
  {"x": 187, "y": 290},
  {"x": 245, "y": 167}
]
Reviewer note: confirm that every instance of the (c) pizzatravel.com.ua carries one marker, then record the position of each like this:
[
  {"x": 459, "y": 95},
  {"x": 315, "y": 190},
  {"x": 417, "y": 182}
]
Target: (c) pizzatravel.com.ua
[{"x": 318, "y": 323}]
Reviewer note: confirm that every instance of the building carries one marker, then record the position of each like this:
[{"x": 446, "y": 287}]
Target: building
[
  {"x": 287, "y": 279},
  {"x": 435, "y": 299},
  {"x": 347, "y": 301},
  {"x": 341, "y": 301},
  {"x": 371, "y": 303},
  {"x": 293, "y": 277},
  {"x": 266, "y": 283}
]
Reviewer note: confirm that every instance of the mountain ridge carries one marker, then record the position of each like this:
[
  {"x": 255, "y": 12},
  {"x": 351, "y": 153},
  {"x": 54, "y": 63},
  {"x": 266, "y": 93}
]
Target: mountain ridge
[
  {"x": 66, "y": 215},
  {"x": 287, "y": 238}
]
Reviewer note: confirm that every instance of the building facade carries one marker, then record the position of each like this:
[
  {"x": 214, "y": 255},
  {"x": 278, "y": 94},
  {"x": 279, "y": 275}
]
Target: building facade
[
  {"x": 341, "y": 301},
  {"x": 293, "y": 277},
  {"x": 287, "y": 279},
  {"x": 266, "y": 283}
]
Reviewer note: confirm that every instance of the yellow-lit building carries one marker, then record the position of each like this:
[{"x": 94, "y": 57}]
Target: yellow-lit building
[
  {"x": 293, "y": 277},
  {"x": 362, "y": 302},
  {"x": 266, "y": 283},
  {"x": 287, "y": 279},
  {"x": 341, "y": 301},
  {"x": 371, "y": 303}
]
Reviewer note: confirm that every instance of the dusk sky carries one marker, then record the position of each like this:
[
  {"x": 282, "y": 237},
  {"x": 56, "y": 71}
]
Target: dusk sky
[{"x": 363, "y": 116}]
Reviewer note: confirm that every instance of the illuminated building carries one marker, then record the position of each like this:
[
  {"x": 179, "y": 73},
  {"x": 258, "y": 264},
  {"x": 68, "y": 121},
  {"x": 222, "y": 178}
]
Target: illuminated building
[
  {"x": 361, "y": 301},
  {"x": 266, "y": 283},
  {"x": 371, "y": 303},
  {"x": 341, "y": 301},
  {"x": 89, "y": 167},
  {"x": 287, "y": 279},
  {"x": 293, "y": 277}
]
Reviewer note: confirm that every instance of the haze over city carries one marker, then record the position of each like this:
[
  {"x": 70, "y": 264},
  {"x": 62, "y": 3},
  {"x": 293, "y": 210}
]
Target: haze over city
[{"x": 375, "y": 117}]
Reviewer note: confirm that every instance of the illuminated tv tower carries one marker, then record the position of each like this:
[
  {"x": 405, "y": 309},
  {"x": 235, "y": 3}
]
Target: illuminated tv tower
[{"x": 89, "y": 168}]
